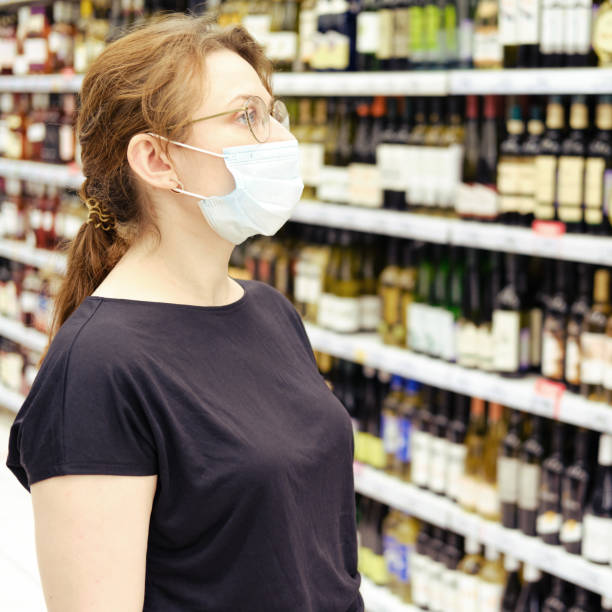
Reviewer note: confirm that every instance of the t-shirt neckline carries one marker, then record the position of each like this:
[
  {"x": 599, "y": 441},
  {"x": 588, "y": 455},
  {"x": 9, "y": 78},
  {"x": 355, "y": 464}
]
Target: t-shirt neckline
[{"x": 223, "y": 308}]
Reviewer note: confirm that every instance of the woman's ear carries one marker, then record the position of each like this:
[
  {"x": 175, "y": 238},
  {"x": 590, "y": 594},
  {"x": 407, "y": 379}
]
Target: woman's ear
[{"x": 150, "y": 162}]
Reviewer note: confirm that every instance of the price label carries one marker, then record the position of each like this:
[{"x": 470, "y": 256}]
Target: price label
[{"x": 546, "y": 398}]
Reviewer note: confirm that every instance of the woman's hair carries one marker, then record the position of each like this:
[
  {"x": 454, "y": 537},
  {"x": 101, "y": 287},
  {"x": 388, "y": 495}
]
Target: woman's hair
[{"x": 149, "y": 80}]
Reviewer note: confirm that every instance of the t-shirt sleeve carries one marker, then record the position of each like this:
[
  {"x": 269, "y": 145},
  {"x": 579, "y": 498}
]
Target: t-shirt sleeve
[{"x": 81, "y": 416}]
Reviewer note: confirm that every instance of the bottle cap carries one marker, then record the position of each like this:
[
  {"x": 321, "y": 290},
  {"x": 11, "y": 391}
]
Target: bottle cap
[
  {"x": 511, "y": 564},
  {"x": 531, "y": 573},
  {"x": 491, "y": 553},
  {"x": 472, "y": 546}
]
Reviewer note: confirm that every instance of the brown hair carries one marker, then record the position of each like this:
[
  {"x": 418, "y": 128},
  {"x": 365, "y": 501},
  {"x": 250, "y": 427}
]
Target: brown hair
[{"x": 147, "y": 80}]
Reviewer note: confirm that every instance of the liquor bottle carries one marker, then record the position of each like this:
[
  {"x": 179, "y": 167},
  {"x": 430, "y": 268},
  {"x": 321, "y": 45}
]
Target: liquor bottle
[
  {"x": 430, "y": 153},
  {"x": 450, "y": 35},
  {"x": 574, "y": 487},
  {"x": 508, "y": 470},
  {"x": 509, "y": 168},
  {"x": 474, "y": 441},
  {"x": 471, "y": 315},
  {"x": 485, "y": 191},
  {"x": 512, "y": 589},
  {"x": 407, "y": 411},
  {"x": 401, "y": 36},
  {"x": 488, "y": 51},
  {"x": 434, "y": 50},
  {"x": 418, "y": 313},
  {"x": 390, "y": 295},
  {"x": 467, "y": 579},
  {"x": 583, "y": 601},
  {"x": 529, "y": 33},
  {"x": 421, "y": 439},
  {"x": 538, "y": 293},
  {"x": 436, "y": 319},
  {"x": 530, "y": 472},
  {"x": 578, "y": 312},
  {"x": 347, "y": 287},
  {"x": 553, "y": 467},
  {"x": 570, "y": 178},
  {"x": 510, "y": 324},
  {"x": 390, "y": 420},
  {"x": 408, "y": 152},
  {"x": 386, "y": 26},
  {"x": 529, "y": 150},
  {"x": 368, "y": 32},
  {"x": 407, "y": 280},
  {"x": 578, "y": 33},
  {"x": 391, "y": 550},
  {"x": 601, "y": 29},
  {"x": 389, "y": 159},
  {"x": 491, "y": 581},
  {"x": 547, "y": 161},
  {"x": 439, "y": 445},
  {"x": 488, "y": 500},
  {"x": 457, "y": 450},
  {"x": 451, "y": 314},
  {"x": 554, "y": 332},
  {"x": 552, "y": 46},
  {"x": 436, "y": 568},
  {"x": 508, "y": 31},
  {"x": 598, "y": 515},
  {"x": 598, "y": 170},
  {"x": 485, "y": 339},
  {"x": 472, "y": 139},
  {"x": 465, "y": 17},
  {"x": 531, "y": 596},
  {"x": 452, "y": 141},
  {"x": 557, "y": 600},
  {"x": 366, "y": 258},
  {"x": 418, "y": 568},
  {"x": 448, "y": 583},
  {"x": 592, "y": 338}
]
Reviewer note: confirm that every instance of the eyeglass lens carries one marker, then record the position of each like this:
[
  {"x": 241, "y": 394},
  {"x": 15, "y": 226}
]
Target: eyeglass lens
[{"x": 259, "y": 119}]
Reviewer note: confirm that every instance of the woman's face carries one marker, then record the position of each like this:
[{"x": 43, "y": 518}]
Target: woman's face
[{"x": 229, "y": 81}]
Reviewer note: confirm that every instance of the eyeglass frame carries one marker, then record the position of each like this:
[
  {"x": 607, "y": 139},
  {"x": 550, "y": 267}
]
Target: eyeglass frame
[{"x": 245, "y": 108}]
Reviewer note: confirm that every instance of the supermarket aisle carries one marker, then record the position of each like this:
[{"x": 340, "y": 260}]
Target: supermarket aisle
[{"x": 20, "y": 589}]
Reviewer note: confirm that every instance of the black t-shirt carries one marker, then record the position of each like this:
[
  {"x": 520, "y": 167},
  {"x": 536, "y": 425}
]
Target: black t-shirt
[{"x": 254, "y": 508}]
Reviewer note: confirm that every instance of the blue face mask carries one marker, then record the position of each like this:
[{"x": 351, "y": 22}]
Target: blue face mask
[{"x": 268, "y": 188}]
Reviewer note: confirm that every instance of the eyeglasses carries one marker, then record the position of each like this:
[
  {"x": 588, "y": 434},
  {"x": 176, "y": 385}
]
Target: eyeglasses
[{"x": 256, "y": 115}]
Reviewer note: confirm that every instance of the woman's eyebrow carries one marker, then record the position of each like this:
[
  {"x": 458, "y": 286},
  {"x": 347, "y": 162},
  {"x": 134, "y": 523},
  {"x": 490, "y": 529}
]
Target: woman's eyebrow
[{"x": 246, "y": 96}]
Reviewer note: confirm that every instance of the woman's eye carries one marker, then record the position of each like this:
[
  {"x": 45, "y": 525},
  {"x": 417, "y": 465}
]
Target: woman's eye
[{"x": 242, "y": 117}]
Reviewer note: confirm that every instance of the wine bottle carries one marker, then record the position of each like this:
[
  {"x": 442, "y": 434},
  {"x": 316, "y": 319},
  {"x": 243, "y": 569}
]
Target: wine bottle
[
  {"x": 407, "y": 280},
  {"x": 508, "y": 31},
  {"x": 471, "y": 313},
  {"x": 389, "y": 159},
  {"x": 439, "y": 446},
  {"x": 574, "y": 487},
  {"x": 583, "y": 601},
  {"x": 467, "y": 577},
  {"x": 406, "y": 415},
  {"x": 390, "y": 295},
  {"x": 554, "y": 333},
  {"x": 485, "y": 341},
  {"x": 509, "y": 168},
  {"x": 598, "y": 170},
  {"x": 530, "y": 598},
  {"x": 598, "y": 516},
  {"x": 418, "y": 562},
  {"x": 592, "y": 338},
  {"x": 508, "y": 470},
  {"x": 485, "y": 191},
  {"x": 491, "y": 581},
  {"x": 474, "y": 441},
  {"x": 530, "y": 471},
  {"x": 390, "y": 420},
  {"x": 512, "y": 588},
  {"x": 488, "y": 500},
  {"x": 578, "y": 312},
  {"x": 419, "y": 309},
  {"x": 529, "y": 151},
  {"x": 570, "y": 179},
  {"x": 448, "y": 582},
  {"x": 457, "y": 450},
  {"x": 421, "y": 440},
  {"x": 436, "y": 569},
  {"x": 548, "y": 159},
  {"x": 553, "y": 467},
  {"x": 557, "y": 600}
]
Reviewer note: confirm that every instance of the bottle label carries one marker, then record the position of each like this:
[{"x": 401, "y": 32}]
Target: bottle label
[
  {"x": 552, "y": 26},
  {"x": 508, "y": 17},
  {"x": 307, "y": 34},
  {"x": 570, "y": 179},
  {"x": 546, "y": 173},
  {"x": 548, "y": 523},
  {"x": 311, "y": 162},
  {"x": 571, "y": 532},
  {"x": 455, "y": 469},
  {"x": 416, "y": 325},
  {"x": 489, "y": 596},
  {"x": 333, "y": 185},
  {"x": 487, "y": 500},
  {"x": 420, "y": 445},
  {"x": 593, "y": 182},
  {"x": 553, "y": 352},
  {"x": 466, "y": 340},
  {"x": 529, "y": 22},
  {"x": 602, "y": 34},
  {"x": 385, "y": 34},
  {"x": 391, "y": 433},
  {"x": 506, "y": 341},
  {"x": 446, "y": 335},
  {"x": 403, "y": 450},
  {"x": 467, "y": 491},
  {"x": 438, "y": 463},
  {"x": 401, "y": 33},
  {"x": 485, "y": 347},
  {"x": 367, "y": 32},
  {"x": 417, "y": 33},
  {"x": 487, "y": 48},
  {"x": 282, "y": 46},
  {"x": 607, "y": 374},
  {"x": 507, "y": 476},
  {"x": 467, "y": 590},
  {"x": 397, "y": 557},
  {"x": 578, "y": 34},
  {"x": 448, "y": 584},
  {"x": 529, "y": 486},
  {"x": 419, "y": 587},
  {"x": 432, "y": 336},
  {"x": 364, "y": 185},
  {"x": 369, "y": 312},
  {"x": 572, "y": 361},
  {"x": 389, "y": 158},
  {"x": 524, "y": 349},
  {"x": 592, "y": 348},
  {"x": 597, "y": 538}
]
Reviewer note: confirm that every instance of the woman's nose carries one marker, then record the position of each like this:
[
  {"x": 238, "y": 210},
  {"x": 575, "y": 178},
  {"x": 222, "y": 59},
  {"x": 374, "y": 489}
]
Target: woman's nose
[{"x": 278, "y": 131}]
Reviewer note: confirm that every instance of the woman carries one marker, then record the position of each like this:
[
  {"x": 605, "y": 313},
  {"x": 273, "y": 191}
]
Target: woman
[{"x": 182, "y": 450}]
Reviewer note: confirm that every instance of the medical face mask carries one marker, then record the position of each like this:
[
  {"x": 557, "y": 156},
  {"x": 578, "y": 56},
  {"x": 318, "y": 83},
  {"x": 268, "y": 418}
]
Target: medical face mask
[{"x": 268, "y": 188}]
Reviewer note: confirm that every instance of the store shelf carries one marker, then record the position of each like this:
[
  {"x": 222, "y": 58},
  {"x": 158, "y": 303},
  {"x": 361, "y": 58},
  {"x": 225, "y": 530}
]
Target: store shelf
[
  {"x": 444, "y": 513},
  {"x": 492, "y": 236},
  {"x": 62, "y": 175},
  {"x": 10, "y": 399},
  {"x": 380, "y": 599},
  {"x": 521, "y": 394},
  {"x": 407, "y": 83},
  {"x": 53, "y": 83},
  {"x": 39, "y": 258},
  {"x": 28, "y": 337}
]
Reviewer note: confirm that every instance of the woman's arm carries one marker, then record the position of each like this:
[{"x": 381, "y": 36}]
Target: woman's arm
[{"x": 91, "y": 536}]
